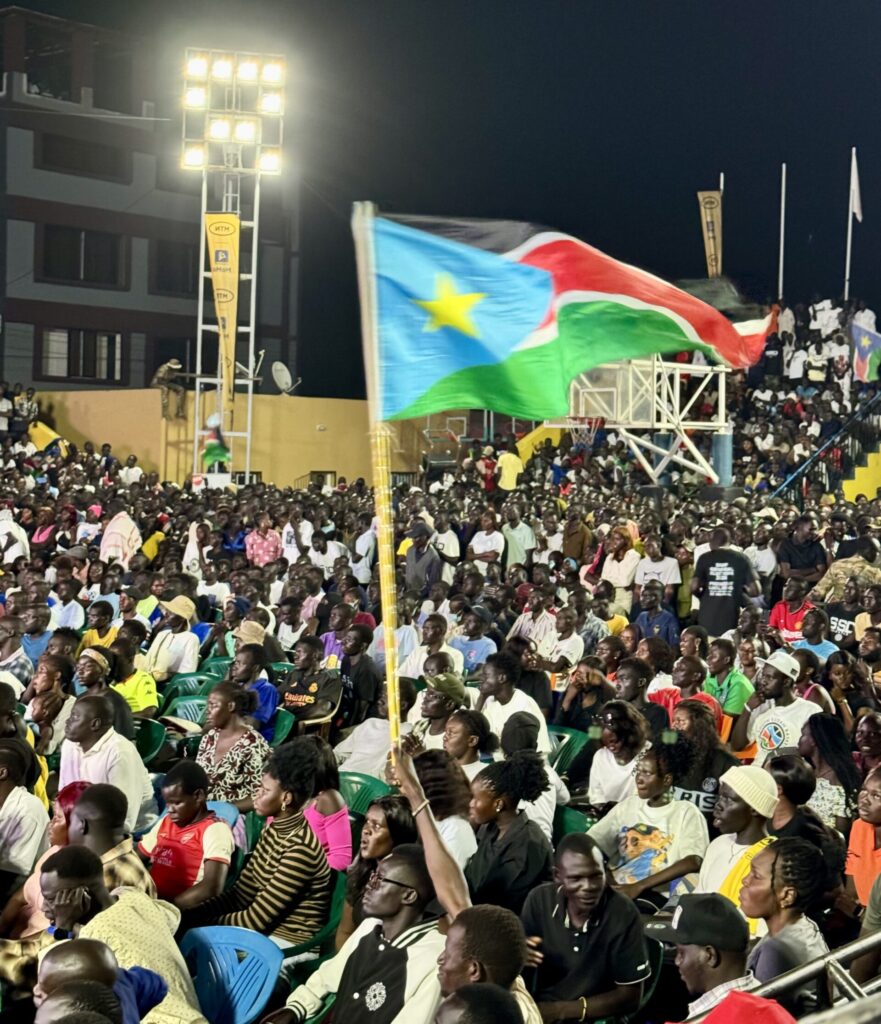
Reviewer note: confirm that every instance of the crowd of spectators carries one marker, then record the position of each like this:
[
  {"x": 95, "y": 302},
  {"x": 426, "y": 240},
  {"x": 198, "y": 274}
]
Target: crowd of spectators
[{"x": 640, "y": 772}]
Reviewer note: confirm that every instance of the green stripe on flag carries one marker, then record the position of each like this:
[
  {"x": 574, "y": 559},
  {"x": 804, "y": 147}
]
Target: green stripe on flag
[{"x": 533, "y": 383}]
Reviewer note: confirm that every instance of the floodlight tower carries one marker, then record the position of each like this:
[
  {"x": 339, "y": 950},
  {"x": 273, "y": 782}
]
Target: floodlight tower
[{"x": 232, "y": 132}]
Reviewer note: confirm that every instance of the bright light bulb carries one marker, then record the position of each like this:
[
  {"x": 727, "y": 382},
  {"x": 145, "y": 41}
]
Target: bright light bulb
[
  {"x": 196, "y": 98},
  {"x": 219, "y": 129},
  {"x": 197, "y": 67},
  {"x": 194, "y": 157},
  {"x": 248, "y": 71},
  {"x": 273, "y": 73},
  {"x": 221, "y": 69},
  {"x": 245, "y": 131},
  {"x": 270, "y": 161},
  {"x": 270, "y": 103}
]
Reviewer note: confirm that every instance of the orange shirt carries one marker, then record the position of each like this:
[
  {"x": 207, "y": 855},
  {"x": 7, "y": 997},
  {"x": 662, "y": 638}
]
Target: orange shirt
[{"x": 863, "y": 859}]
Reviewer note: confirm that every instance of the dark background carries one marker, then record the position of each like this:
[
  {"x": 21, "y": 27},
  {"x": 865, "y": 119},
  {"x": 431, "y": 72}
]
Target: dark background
[{"x": 597, "y": 118}]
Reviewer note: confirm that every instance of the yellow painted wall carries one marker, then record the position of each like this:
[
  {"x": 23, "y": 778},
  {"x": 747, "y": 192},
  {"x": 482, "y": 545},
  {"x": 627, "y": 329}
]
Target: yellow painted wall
[
  {"x": 290, "y": 436},
  {"x": 866, "y": 480}
]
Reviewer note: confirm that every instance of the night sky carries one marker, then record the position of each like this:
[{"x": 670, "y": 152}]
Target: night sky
[{"x": 597, "y": 118}]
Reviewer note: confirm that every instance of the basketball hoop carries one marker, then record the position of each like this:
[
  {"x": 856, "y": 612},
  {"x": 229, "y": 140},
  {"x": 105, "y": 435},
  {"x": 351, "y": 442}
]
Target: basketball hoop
[{"x": 583, "y": 429}]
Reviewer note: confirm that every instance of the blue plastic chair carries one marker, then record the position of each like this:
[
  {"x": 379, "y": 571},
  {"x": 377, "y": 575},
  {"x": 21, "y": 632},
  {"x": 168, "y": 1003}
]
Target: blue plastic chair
[
  {"x": 226, "y": 812},
  {"x": 234, "y": 971}
]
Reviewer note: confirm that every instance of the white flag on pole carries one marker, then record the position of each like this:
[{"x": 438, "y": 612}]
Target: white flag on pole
[{"x": 856, "y": 202}]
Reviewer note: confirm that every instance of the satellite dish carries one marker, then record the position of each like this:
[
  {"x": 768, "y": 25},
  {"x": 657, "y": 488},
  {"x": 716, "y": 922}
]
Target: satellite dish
[{"x": 283, "y": 380}]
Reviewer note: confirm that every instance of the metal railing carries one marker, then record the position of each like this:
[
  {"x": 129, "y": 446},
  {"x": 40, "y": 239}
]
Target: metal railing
[
  {"x": 314, "y": 477},
  {"x": 856, "y": 435},
  {"x": 832, "y": 966}
]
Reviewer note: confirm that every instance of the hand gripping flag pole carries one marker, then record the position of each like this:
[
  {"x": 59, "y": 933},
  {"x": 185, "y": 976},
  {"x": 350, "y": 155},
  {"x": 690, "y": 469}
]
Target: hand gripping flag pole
[{"x": 380, "y": 453}]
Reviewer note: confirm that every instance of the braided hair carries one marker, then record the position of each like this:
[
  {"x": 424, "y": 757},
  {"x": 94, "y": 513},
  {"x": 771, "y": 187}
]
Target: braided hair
[
  {"x": 522, "y": 776},
  {"x": 833, "y": 746},
  {"x": 799, "y": 864}
]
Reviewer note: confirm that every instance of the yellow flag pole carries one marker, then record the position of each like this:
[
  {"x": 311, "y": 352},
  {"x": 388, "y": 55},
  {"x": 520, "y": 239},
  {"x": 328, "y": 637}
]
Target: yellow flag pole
[{"x": 380, "y": 453}]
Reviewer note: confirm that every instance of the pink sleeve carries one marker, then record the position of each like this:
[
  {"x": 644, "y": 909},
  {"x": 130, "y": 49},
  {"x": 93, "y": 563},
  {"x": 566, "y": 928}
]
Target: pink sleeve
[{"x": 334, "y": 832}]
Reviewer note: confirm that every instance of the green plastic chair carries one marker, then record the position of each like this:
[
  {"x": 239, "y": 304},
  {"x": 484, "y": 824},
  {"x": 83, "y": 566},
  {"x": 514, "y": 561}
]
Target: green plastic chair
[
  {"x": 323, "y": 941},
  {"x": 208, "y": 684},
  {"x": 569, "y": 744},
  {"x": 567, "y": 819},
  {"x": 254, "y": 826},
  {"x": 324, "y": 1011},
  {"x": 149, "y": 738},
  {"x": 190, "y": 708},
  {"x": 182, "y": 686},
  {"x": 216, "y": 666},
  {"x": 359, "y": 791},
  {"x": 284, "y": 723},
  {"x": 282, "y": 667}
]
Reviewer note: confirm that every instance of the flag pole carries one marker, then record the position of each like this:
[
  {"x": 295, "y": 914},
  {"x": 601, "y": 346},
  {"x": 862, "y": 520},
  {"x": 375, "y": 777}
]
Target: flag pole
[
  {"x": 782, "y": 228},
  {"x": 853, "y": 157},
  {"x": 380, "y": 454}
]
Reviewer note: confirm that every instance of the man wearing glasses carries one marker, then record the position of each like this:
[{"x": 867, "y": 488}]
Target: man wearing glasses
[{"x": 389, "y": 963}]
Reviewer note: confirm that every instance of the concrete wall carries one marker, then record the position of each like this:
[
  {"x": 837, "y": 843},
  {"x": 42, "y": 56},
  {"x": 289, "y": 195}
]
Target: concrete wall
[{"x": 290, "y": 436}]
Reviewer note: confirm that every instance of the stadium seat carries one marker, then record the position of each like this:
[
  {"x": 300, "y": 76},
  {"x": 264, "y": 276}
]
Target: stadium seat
[
  {"x": 208, "y": 684},
  {"x": 234, "y": 971},
  {"x": 190, "y": 708},
  {"x": 568, "y": 744},
  {"x": 566, "y": 820},
  {"x": 149, "y": 738},
  {"x": 284, "y": 723},
  {"x": 322, "y": 941},
  {"x": 359, "y": 791},
  {"x": 225, "y": 811},
  {"x": 254, "y": 826},
  {"x": 216, "y": 666},
  {"x": 182, "y": 686}
]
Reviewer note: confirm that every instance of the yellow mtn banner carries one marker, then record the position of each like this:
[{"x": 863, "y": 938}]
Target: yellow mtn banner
[{"x": 224, "y": 231}]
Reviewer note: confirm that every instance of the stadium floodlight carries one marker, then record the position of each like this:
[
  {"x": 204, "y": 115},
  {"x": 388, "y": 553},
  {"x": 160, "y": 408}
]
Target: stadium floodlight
[
  {"x": 221, "y": 69},
  {"x": 273, "y": 72},
  {"x": 196, "y": 97},
  {"x": 270, "y": 161},
  {"x": 219, "y": 129},
  {"x": 248, "y": 71},
  {"x": 197, "y": 66},
  {"x": 245, "y": 131},
  {"x": 194, "y": 158},
  {"x": 270, "y": 103}
]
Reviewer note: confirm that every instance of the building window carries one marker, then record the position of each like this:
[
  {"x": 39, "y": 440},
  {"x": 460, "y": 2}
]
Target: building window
[
  {"x": 74, "y": 156},
  {"x": 73, "y": 354},
  {"x": 87, "y": 257},
  {"x": 113, "y": 78},
  {"x": 48, "y": 61},
  {"x": 175, "y": 267}
]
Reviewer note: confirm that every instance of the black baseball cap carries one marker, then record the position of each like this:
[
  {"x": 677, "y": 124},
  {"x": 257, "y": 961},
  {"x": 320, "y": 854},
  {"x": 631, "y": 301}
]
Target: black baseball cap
[{"x": 703, "y": 919}]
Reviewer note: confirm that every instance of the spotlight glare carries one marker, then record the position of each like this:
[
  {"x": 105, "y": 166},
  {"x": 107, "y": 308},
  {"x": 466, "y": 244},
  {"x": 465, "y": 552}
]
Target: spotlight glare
[
  {"x": 194, "y": 158},
  {"x": 197, "y": 67},
  {"x": 270, "y": 103},
  {"x": 219, "y": 129},
  {"x": 221, "y": 69},
  {"x": 270, "y": 161},
  {"x": 248, "y": 71},
  {"x": 196, "y": 98},
  {"x": 273, "y": 73},
  {"x": 245, "y": 131}
]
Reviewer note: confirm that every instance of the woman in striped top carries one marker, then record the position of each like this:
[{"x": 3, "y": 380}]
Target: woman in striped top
[{"x": 284, "y": 889}]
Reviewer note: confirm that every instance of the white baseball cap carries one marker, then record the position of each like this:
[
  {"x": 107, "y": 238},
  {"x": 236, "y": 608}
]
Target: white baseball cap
[{"x": 783, "y": 662}]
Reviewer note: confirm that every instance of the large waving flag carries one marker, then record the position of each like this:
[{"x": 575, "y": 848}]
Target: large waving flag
[
  {"x": 866, "y": 353},
  {"x": 503, "y": 315}
]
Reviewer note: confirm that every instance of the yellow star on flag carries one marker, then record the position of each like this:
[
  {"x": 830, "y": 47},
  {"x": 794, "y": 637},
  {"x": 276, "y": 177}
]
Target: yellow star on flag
[
  {"x": 450, "y": 308},
  {"x": 864, "y": 341}
]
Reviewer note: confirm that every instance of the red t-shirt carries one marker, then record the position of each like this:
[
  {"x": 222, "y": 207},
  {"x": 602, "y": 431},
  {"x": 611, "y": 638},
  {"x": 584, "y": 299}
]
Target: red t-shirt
[
  {"x": 178, "y": 852},
  {"x": 789, "y": 623}
]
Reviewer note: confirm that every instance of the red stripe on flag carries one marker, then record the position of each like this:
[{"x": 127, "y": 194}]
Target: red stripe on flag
[{"x": 576, "y": 266}]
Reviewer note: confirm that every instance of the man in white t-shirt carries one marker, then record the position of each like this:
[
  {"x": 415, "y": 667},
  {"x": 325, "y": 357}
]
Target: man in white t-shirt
[
  {"x": 657, "y": 566},
  {"x": 296, "y": 529},
  {"x": 774, "y": 716},
  {"x": 23, "y": 819},
  {"x": 365, "y": 545},
  {"x": 446, "y": 544},
  {"x": 500, "y": 698},
  {"x": 131, "y": 472},
  {"x": 487, "y": 545}
]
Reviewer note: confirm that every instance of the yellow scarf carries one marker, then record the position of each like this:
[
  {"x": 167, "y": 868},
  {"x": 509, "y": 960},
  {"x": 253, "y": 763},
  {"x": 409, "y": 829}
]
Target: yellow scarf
[{"x": 731, "y": 886}]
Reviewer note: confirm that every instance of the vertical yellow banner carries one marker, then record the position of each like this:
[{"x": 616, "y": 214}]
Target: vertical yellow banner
[
  {"x": 711, "y": 224},
  {"x": 224, "y": 231}
]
